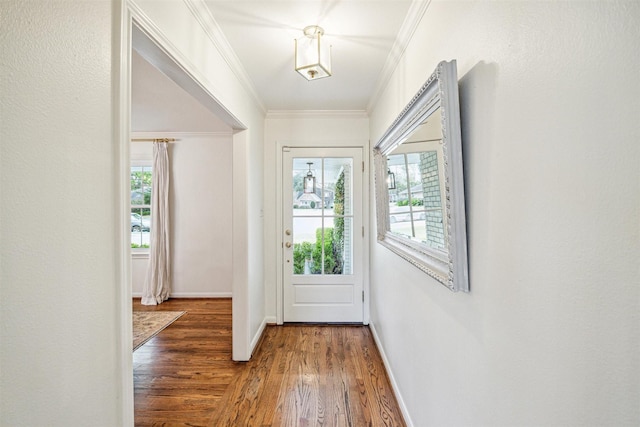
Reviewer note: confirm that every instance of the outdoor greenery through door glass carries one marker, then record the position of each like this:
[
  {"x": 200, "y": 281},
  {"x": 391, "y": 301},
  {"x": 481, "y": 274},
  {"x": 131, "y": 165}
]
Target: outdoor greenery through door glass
[{"x": 322, "y": 218}]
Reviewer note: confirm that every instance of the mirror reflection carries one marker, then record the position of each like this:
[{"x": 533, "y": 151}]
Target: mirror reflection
[{"x": 416, "y": 197}]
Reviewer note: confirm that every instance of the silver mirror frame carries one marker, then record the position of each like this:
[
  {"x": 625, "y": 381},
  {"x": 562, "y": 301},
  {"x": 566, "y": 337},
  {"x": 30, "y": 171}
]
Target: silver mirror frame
[{"x": 450, "y": 267}]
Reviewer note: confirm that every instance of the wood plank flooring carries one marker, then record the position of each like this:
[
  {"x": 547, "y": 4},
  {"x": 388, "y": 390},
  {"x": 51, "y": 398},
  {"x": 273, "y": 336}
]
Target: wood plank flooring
[{"x": 300, "y": 375}]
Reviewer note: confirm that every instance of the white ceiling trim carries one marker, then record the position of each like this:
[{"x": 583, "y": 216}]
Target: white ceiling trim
[
  {"x": 316, "y": 114},
  {"x": 203, "y": 15},
  {"x": 179, "y": 135},
  {"x": 409, "y": 26}
]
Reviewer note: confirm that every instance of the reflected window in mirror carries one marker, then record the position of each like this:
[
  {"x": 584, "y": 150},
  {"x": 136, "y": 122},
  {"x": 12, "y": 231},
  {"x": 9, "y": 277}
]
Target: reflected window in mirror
[{"x": 415, "y": 205}]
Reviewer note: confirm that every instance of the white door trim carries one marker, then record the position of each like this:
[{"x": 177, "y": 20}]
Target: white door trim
[
  {"x": 278, "y": 242},
  {"x": 129, "y": 13},
  {"x": 122, "y": 128}
]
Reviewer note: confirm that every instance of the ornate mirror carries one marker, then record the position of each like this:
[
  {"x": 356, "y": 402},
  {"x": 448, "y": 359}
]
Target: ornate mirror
[{"x": 419, "y": 182}]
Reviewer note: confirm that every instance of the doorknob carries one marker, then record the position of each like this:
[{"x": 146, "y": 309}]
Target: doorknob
[
  {"x": 287, "y": 232},
  {"x": 288, "y": 244}
]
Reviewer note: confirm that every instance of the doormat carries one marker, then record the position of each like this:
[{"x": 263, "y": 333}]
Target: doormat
[{"x": 148, "y": 324}]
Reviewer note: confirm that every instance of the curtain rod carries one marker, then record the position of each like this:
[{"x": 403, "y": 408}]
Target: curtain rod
[{"x": 154, "y": 140}]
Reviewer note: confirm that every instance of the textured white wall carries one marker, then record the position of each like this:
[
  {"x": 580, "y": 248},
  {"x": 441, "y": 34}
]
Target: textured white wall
[
  {"x": 60, "y": 301},
  {"x": 201, "y": 217},
  {"x": 201, "y": 184},
  {"x": 300, "y": 129},
  {"x": 549, "y": 96},
  {"x": 58, "y": 318}
]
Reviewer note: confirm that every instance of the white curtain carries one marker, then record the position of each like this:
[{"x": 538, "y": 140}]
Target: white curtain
[{"x": 157, "y": 285}]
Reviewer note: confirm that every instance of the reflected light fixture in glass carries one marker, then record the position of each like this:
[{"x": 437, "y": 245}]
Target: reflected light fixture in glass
[
  {"x": 391, "y": 180},
  {"x": 309, "y": 181}
]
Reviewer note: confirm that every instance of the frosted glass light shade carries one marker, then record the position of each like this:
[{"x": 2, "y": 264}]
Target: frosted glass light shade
[{"x": 313, "y": 59}]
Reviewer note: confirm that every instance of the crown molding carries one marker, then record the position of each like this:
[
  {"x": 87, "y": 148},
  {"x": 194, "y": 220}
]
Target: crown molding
[
  {"x": 409, "y": 26},
  {"x": 203, "y": 15},
  {"x": 317, "y": 114},
  {"x": 178, "y": 135}
]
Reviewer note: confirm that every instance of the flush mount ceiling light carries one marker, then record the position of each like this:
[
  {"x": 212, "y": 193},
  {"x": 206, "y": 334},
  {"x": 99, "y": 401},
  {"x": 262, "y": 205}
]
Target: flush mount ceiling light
[{"x": 313, "y": 59}]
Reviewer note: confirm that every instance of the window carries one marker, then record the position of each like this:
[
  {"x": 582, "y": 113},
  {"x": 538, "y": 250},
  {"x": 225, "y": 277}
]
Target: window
[
  {"x": 323, "y": 219},
  {"x": 140, "y": 206},
  {"x": 415, "y": 205}
]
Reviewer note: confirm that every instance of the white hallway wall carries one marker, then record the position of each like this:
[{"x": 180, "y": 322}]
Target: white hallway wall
[
  {"x": 59, "y": 323},
  {"x": 548, "y": 335},
  {"x": 200, "y": 200}
]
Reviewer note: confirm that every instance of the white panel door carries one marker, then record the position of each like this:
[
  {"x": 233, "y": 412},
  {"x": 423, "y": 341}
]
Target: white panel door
[{"x": 323, "y": 234}]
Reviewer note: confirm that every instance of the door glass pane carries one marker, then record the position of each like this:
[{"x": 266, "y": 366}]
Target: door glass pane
[
  {"x": 307, "y": 248},
  {"x": 338, "y": 247},
  {"x": 322, "y": 215},
  {"x": 307, "y": 181},
  {"x": 337, "y": 182}
]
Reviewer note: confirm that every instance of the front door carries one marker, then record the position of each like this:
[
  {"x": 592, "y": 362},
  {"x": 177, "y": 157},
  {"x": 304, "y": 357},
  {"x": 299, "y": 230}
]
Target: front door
[{"x": 323, "y": 234}]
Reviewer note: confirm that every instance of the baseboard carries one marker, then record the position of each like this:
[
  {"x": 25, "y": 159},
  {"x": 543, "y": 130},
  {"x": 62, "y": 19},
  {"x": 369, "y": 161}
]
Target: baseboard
[
  {"x": 394, "y": 384},
  {"x": 192, "y": 295},
  {"x": 271, "y": 320},
  {"x": 258, "y": 336}
]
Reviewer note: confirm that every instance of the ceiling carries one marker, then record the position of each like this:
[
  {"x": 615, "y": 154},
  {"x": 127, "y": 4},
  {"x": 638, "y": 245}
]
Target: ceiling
[
  {"x": 261, "y": 34},
  {"x": 158, "y": 104},
  {"x": 361, "y": 34}
]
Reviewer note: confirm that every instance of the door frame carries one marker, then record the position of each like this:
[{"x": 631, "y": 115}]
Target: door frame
[
  {"x": 166, "y": 55},
  {"x": 279, "y": 241}
]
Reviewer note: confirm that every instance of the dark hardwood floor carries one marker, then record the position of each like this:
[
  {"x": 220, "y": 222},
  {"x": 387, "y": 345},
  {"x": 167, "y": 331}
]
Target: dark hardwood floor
[{"x": 300, "y": 375}]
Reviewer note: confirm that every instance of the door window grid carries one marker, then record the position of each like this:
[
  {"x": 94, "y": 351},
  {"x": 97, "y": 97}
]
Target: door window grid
[{"x": 326, "y": 248}]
